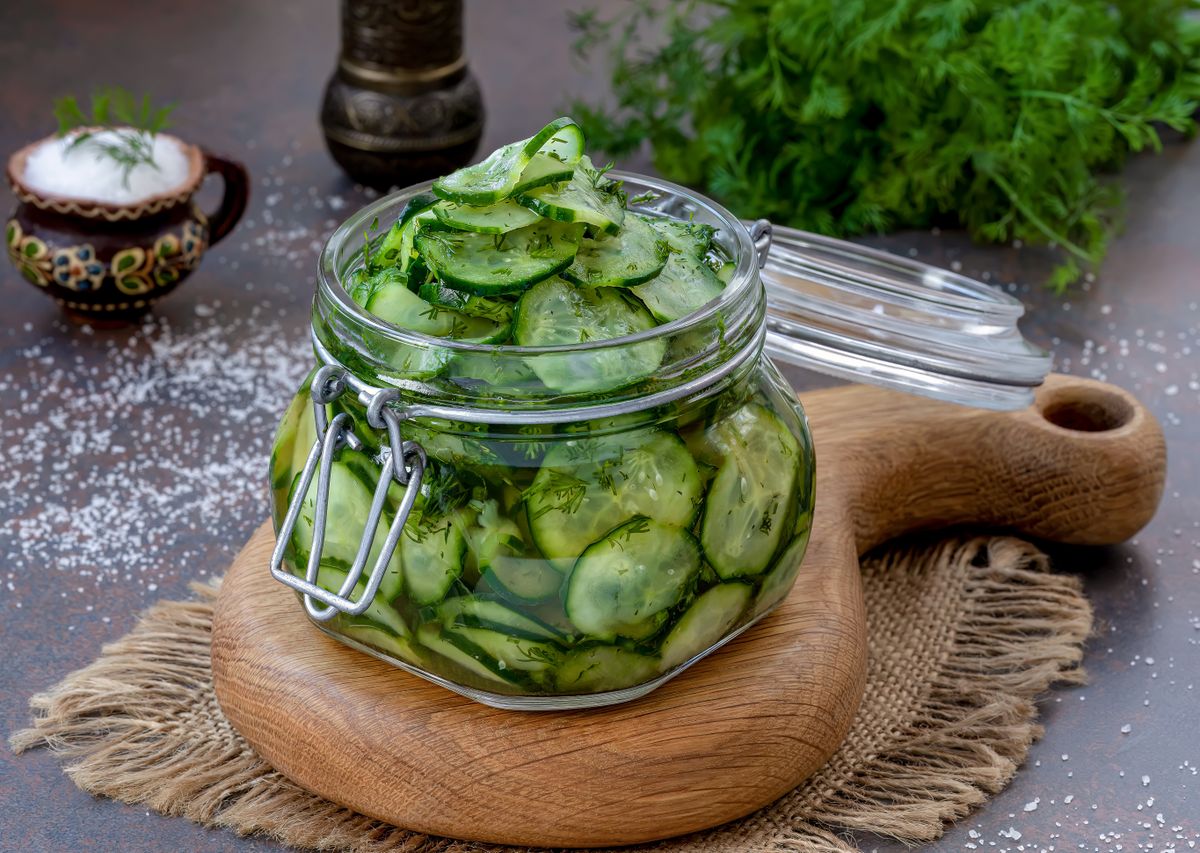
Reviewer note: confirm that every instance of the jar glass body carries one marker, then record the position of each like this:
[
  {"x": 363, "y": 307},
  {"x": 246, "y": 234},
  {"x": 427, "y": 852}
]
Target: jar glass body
[{"x": 568, "y": 546}]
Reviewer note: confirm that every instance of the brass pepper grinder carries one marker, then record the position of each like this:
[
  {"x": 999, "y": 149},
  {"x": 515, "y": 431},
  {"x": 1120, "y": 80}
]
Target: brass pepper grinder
[{"x": 401, "y": 106}]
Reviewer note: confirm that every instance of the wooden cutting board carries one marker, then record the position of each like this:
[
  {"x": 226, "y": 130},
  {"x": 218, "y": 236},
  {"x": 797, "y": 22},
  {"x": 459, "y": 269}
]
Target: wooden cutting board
[{"x": 742, "y": 727}]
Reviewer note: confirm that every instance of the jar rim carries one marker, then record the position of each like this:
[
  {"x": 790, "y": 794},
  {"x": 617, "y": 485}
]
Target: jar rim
[{"x": 332, "y": 262}]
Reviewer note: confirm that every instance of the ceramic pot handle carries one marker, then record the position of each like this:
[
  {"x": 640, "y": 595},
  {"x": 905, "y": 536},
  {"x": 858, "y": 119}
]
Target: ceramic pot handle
[{"x": 233, "y": 202}]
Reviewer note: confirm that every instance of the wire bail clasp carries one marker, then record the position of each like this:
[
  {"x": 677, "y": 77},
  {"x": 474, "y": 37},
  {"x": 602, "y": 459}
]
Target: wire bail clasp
[
  {"x": 403, "y": 461},
  {"x": 761, "y": 231}
]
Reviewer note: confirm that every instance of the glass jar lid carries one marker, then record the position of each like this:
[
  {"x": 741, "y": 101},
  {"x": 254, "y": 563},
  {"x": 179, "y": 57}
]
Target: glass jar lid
[{"x": 869, "y": 316}]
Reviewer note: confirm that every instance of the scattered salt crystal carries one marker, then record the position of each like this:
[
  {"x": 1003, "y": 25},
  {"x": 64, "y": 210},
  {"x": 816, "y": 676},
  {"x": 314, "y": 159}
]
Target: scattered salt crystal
[
  {"x": 1032, "y": 806},
  {"x": 1145, "y": 781},
  {"x": 84, "y": 172},
  {"x": 1126, "y": 729},
  {"x": 175, "y": 433}
]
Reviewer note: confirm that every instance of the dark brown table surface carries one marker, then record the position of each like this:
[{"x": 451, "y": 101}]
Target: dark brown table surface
[{"x": 132, "y": 462}]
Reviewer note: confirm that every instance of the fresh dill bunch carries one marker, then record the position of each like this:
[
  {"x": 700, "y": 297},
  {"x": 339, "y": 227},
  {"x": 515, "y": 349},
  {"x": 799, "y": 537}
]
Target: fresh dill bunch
[
  {"x": 1005, "y": 117},
  {"x": 135, "y": 120}
]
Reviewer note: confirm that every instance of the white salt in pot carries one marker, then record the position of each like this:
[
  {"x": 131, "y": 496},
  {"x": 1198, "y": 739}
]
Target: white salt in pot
[{"x": 106, "y": 262}]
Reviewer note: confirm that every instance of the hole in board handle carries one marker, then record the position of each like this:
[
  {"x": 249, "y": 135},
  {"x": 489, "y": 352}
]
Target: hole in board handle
[{"x": 1087, "y": 410}]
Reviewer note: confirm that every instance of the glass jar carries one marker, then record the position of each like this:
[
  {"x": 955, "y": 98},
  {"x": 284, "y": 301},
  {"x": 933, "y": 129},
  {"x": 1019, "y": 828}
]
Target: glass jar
[{"x": 548, "y": 540}]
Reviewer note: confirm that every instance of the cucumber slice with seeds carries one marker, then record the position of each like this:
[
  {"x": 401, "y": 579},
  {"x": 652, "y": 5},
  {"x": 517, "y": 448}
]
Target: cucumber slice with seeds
[
  {"x": 498, "y": 218},
  {"x": 631, "y": 577},
  {"x": 487, "y": 264},
  {"x": 588, "y": 197},
  {"x": 686, "y": 282},
  {"x": 706, "y": 621},
  {"x": 749, "y": 504},
  {"x": 555, "y": 313},
  {"x": 498, "y": 174},
  {"x": 588, "y": 486},
  {"x": 433, "y": 560},
  {"x": 635, "y": 255}
]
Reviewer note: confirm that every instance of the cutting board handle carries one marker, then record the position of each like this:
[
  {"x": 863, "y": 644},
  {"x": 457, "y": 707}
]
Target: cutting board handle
[{"x": 1084, "y": 465}]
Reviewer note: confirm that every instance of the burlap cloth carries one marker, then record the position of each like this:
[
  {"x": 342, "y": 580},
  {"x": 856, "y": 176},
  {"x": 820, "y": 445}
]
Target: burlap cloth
[{"x": 964, "y": 634}]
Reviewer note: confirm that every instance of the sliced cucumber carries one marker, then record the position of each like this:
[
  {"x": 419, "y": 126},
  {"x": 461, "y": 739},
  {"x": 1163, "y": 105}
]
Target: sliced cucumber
[
  {"x": 433, "y": 556},
  {"x": 588, "y": 486},
  {"x": 490, "y": 537},
  {"x": 465, "y": 654},
  {"x": 497, "y": 175},
  {"x": 602, "y": 668},
  {"x": 401, "y": 307},
  {"x": 708, "y": 619},
  {"x": 686, "y": 282},
  {"x": 637, "y": 254},
  {"x": 543, "y": 169},
  {"x": 365, "y": 286},
  {"x": 555, "y": 313},
  {"x": 349, "y": 508},
  {"x": 523, "y": 579},
  {"x": 498, "y": 218},
  {"x": 725, "y": 273},
  {"x": 396, "y": 249},
  {"x": 486, "y": 264},
  {"x": 496, "y": 309},
  {"x": 749, "y": 503},
  {"x": 778, "y": 582},
  {"x": 565, "y": 144},
  {"x": 283, "y": 449},
  {"x": 478, "y": 612},
  {"x": 499, "y": 373},
  {"x": 306, "y": 434},
  {"x": 630, "y": 577},
  {"x": 588, "y": 197},
  {"x": 358, "y": 285},
  {"x": 511, "y": 653},
  {"x": 401, "y": 648},
  {"x": 331, "y": 579}
]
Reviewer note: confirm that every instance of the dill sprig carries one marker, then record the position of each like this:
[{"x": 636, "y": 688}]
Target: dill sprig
[
  {"x": 1005, "y": 117},
  {"x": 561, "y": 491},
  {"x": 135, "y": 121}
]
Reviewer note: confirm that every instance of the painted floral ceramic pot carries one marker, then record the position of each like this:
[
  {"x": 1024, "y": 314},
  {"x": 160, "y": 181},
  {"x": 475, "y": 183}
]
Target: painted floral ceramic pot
[{"x": 107, "y": 263}]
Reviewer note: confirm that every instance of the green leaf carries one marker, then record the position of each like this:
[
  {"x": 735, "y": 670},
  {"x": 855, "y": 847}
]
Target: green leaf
[{"x": 1003, "y": 117}]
